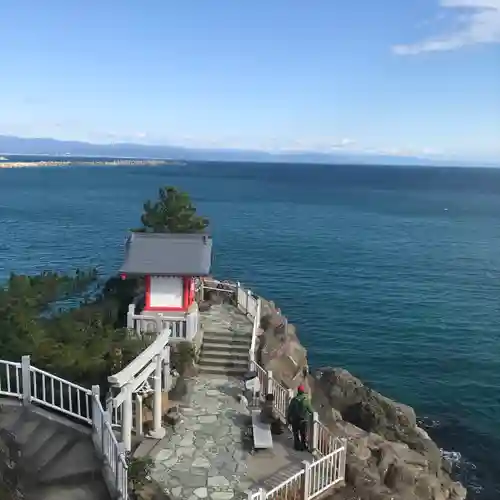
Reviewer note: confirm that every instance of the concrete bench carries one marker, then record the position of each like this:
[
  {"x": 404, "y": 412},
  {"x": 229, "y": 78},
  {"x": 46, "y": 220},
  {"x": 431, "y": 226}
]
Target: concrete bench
[{"x": 262, "y": 437}]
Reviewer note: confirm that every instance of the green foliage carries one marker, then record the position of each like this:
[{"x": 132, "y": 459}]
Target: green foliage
[
  {"x": 73, "y": 325},
  {"x": 78, "y": 340},
  {"x": 182, "y": 356},
  {"x": 139, "y": 471},
  {"x": 172, "y": 213}
]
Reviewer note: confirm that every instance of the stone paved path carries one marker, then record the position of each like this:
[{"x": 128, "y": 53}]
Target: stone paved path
[
  {"x": 205, "y": 457},
  {"x": 226, "y": 318}
]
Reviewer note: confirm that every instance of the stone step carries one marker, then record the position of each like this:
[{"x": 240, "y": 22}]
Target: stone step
[
  {"x": 26, "y": 429},
  {"x": 223, "y": 370},
  {"x": 226, "y": 346},
  {"x": 223, "y": 361},
  {"x": 9, "y": 416},
  {"x": 90, "y": 490},
  {"x": 79, "y": 462},
  {"x": 224, "y": 338},
  {"x": 226, "y": 353},
  {"x": 40, "y": 440},
  {"x": 58, "y": 445},
  {"x": 57, "y": 458}
]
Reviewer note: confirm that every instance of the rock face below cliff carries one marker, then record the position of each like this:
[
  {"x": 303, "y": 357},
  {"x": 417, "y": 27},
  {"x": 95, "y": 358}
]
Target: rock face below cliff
[{"x": 389, "y": 456}]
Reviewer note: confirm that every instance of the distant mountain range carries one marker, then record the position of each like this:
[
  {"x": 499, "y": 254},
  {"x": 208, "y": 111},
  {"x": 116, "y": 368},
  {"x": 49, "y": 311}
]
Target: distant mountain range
[{"x": 53, "y": 147}]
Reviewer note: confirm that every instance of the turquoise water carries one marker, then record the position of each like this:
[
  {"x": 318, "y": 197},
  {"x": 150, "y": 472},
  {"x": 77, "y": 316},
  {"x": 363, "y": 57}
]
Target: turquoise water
[{"x": 392, "y": 273}]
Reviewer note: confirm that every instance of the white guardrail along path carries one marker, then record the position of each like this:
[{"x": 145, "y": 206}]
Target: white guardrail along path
[
  {"x": 329, "y": 469},
  {"x": 35, "y": 386}
]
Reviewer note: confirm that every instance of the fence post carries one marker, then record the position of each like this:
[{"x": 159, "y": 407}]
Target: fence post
[
  {"x": 307, "y": 473},
  {"x": 26, "y": 378},
  {"x": 269, "y": 389},
  {"x": 106, "y": 417},
  {"x": 130, "y": 316},
  {"x": 158, "y": 431},
  {"x": 96, "y": 395},
  {"x": 138, "y": 415},
  {"x": 166, "y": 369},
  {"x": 343, "y": 459},
  {"x": 248, "y": 298},
  {"x": 237, "y": 292},
  {"x": 314, "y": 438},
  {"x": 120, "y": 450},
  {"x": 127, "y": 417}
]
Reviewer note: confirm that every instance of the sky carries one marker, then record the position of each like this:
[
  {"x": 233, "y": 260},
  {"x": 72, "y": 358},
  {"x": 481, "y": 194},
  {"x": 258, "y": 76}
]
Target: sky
[{"x": 417, "y": 77}]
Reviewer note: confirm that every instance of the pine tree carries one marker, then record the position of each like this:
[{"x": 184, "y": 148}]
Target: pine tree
[{"x": 172, "y": 213}]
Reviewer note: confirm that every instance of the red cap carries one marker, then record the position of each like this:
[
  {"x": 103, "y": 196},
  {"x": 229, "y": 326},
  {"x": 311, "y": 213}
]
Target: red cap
[{"x": 300, "y": 388}]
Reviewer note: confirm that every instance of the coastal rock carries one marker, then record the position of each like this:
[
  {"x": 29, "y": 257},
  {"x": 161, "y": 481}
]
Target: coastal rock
[
  {"x": 388, "y": 456},
  {"x": 373, "y": 412},
  {"x": 279, "y": 348}
]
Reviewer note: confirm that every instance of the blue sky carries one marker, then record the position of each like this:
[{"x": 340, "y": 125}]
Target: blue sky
[{"x": 418, "y": 77}]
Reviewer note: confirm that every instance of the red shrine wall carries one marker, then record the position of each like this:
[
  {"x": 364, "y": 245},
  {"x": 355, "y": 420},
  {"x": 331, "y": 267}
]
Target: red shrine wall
[{"x": 169, "y": 293}]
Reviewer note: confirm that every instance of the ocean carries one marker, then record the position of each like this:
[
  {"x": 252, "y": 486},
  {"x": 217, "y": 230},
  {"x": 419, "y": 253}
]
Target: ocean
[{"x": 390, "y": 272}]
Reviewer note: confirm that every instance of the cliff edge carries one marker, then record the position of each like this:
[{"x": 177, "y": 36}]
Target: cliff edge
[{"x": 389, "y": 457}]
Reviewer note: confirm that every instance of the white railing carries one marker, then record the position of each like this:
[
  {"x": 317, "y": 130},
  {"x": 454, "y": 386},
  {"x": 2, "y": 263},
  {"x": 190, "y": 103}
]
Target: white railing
[
  {"x": 32, "y": 385},
  {"x": 324, "y": 473},
  {"x": 182, "y": 328},
  {"x": 291, "y": 489},
  {"x": 10, "y": 379},
  {"x": 329, "y": 469},
  {"x": 255, "y": 334},
  {"x": 60, "y": 395},
  {"x": 282, "y": 397},
  {"x": 263, "y": 377},
  {"x": 107, "y": 444}
]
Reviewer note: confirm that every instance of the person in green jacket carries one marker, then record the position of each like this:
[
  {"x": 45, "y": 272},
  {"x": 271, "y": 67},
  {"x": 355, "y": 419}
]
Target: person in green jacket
[{"x": 298, "y": 415}]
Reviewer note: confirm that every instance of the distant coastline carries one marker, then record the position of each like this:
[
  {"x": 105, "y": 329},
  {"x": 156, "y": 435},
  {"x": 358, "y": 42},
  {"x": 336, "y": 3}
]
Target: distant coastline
[{"x": 6, "y": 163}]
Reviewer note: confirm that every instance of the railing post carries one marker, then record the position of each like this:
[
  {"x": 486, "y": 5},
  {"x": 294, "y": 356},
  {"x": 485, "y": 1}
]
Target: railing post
[
  {"x": 106, "y": 417},
  {"x": 306, "y": 485},
  {"x": 261, "y": 492},
  {"x": 138, "y": 415},
  {"x": 248, "y": 297},
  {"x": 26, "y": 378},
  {"x": 238, "y": 294},
  {"x": 120, "y": 450},
  {"x": 251, "y": 359},
  {"x": 269, "y": 389},
  {"x": 314, "y": 437},
  {"x": 127, "y": 418},
  {"x": 343, "y": 458},
  {"x": 159, "y": 325},
  {"x": 166, "y": 369},
  {"x": 158, "y": 431},
  {"x": 96, "y": 394},
  {"x": 130, "y": 316}
]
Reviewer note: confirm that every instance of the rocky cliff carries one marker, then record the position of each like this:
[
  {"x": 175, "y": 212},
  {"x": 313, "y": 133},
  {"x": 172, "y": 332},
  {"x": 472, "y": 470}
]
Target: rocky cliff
[{"x": 389, "y": 456}]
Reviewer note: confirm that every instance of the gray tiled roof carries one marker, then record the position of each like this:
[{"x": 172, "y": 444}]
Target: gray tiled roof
[{"x": 168, "y": 254}]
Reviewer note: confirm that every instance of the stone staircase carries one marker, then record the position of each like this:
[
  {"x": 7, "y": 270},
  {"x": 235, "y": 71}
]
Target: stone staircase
[
  {"x": 227, "y": 335},
  {"x": 57, "y": 460},
  {"x": 224, "y": 354}
]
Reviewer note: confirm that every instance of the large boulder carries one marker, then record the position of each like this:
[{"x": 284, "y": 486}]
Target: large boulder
[
  {"x": 279, "y": 348},
  {"x": 373, "y": 412},
  {"x": 388, "y": 456}
]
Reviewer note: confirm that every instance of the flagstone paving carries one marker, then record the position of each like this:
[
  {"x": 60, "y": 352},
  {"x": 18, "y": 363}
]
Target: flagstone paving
[{"x": 205, "y": 457}]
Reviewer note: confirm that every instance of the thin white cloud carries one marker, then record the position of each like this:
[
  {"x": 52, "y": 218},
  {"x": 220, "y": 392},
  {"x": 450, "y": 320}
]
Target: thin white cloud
[{"x": 479, "y": 24}]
